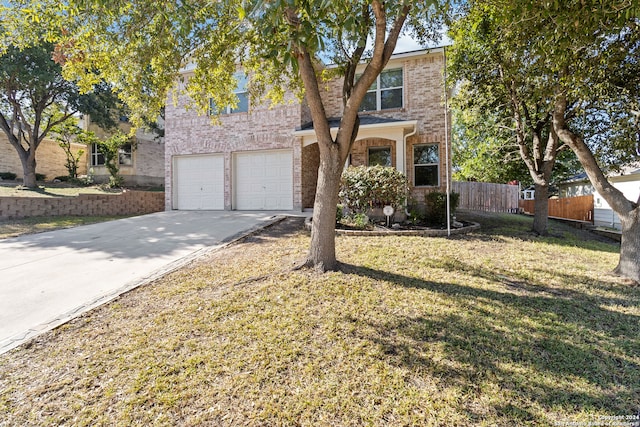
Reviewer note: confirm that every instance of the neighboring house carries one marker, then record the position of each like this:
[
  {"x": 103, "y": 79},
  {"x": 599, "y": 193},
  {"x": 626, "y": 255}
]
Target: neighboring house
[
  {"x": 577, "y": 185},
  {"x": 263, "y": 158},
  {"x": 141, "y": 163},
  {"x": 50, "y": 158},
  {"x": 627, "y": 181},
  {"x": 529, "y": 193}
]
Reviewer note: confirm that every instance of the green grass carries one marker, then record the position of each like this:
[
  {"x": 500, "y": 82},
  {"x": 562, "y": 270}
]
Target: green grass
[
  {"x": 18, "y": 227},
  {"x": 495, "y": 328}
]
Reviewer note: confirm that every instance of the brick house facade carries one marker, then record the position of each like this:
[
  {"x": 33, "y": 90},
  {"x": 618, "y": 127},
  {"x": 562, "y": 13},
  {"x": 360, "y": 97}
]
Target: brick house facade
[
  {"x": 141, "y": 163},
  {"x": 268, "y": 158},
  {"x": 50, "y": 158}
]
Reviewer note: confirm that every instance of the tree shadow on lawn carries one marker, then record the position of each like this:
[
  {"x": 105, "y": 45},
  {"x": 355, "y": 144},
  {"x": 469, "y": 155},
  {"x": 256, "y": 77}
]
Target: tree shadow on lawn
[
  {"x": 497, "y": 227},
  {"x": 543, "y": 351}
]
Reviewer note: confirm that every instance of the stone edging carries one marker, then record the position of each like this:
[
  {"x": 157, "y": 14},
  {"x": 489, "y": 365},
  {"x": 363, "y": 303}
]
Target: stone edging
[{"x": 425, "y": 233}]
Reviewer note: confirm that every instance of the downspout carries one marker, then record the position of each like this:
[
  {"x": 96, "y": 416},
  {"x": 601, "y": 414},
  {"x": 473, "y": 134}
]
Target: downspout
[
  {"x": 446, "y": 140},
  {"x": 404, "y": 155}
]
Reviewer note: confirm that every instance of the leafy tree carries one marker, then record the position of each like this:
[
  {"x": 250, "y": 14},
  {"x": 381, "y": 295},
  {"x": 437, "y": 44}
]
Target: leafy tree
[
  {"x": 503, "y": 80},
  {"x": 584, "y": 69},
  {"x": 110, "y": 148},
  {"x": 35, "y": 98},
  {"x": 65, "y": 134},
  {"x": 483, "y": 149},
  {"x": 142, "y": 46}
]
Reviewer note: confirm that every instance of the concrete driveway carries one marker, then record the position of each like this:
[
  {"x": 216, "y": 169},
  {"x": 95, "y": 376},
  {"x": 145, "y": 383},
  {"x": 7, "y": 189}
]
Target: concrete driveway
[{"x": 49, "y": 278}]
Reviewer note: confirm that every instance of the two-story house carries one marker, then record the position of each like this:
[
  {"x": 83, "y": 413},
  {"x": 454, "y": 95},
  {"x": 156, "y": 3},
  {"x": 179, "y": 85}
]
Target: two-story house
[{"x": 262, "y": 158}]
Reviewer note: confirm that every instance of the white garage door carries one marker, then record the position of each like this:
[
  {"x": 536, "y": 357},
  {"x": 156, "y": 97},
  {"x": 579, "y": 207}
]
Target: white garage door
[
  {"x": 199, "y": 182},
  {"x": 263, "y": 180}
]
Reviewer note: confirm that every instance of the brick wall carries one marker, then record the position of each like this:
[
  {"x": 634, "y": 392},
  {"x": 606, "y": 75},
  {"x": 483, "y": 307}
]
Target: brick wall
[
  {"x": 50, "y": 159},
  {"x": 263, "y": 128},
  {"x": 310, "y": 164},
  {"x": 360, "y": 150},
  {"x": 126, "y": 203},
  {"x": 423, "y": 101},
  {"x": 147, "y": 167}
]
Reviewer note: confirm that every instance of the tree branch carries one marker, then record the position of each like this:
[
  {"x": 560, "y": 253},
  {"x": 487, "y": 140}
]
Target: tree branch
[{"x": 612, "y": 195}]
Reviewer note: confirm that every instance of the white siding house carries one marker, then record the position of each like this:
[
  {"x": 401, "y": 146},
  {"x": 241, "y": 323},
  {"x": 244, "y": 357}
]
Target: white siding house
[
  {"x": 629, "y": 184},
  {"x": 627, "y": 181}
]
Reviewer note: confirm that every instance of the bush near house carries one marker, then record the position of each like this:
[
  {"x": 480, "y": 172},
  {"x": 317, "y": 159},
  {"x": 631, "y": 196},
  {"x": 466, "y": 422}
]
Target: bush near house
[
  {"x": 367, "y": 187},
  {"x": 436, "y": 207}
]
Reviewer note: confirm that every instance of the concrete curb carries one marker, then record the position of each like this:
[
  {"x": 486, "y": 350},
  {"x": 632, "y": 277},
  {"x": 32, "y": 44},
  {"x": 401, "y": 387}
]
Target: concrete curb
[{"x": 24, "y": 337}]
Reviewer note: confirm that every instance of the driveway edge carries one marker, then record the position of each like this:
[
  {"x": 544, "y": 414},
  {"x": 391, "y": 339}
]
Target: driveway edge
[{"x": 24, "y": 337}]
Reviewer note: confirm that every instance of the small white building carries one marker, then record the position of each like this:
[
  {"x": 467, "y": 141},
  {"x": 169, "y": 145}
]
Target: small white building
[{"x": 627, "y": 181}]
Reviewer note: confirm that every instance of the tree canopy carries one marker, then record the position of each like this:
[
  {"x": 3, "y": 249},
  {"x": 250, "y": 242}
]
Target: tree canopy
[
  {"x": 35, "y": 99},
  {"x": 141, "y": 47},
  {"x": 574, "y": 67}
]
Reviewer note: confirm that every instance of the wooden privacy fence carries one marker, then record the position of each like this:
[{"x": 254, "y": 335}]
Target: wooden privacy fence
[
  {"x": 577, "y": 208},
  {"x": 484, "y": 196}
]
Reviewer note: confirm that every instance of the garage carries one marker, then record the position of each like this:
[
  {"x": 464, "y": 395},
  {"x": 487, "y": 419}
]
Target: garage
[
  {"x": 263, "y": 180},
  {"x": 198, "y": 182}
]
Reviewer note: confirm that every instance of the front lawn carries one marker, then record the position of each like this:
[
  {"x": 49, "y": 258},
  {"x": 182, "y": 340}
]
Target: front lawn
[{"x": 495, "y": 328}]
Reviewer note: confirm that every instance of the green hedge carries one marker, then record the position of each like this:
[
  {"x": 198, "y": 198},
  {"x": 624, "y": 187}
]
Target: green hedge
[
  {"x": 436, "y": 209},
  {"x": 366, "y": 187}
]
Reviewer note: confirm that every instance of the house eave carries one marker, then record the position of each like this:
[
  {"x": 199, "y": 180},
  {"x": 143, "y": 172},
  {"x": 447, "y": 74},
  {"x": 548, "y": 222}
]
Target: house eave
[{"x": 386, "y": 125}]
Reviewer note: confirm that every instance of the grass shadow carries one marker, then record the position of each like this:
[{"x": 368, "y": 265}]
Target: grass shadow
[
  {"x": 497, "y": 226},
  {"x": 541, "y": 348}
]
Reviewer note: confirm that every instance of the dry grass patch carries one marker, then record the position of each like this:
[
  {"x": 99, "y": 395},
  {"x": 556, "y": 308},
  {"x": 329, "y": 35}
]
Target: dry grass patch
[
  {"x": 18, "y": 227},
  {"x": 494, "y": 328},
  {"x": 53, "y": 190}
]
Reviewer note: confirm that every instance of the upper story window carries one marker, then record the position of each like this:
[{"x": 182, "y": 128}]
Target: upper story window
[
  {"x": 386, "y": 92},
  {"x": 426, "y": 165},
  {"x": 242, "y": 94}
]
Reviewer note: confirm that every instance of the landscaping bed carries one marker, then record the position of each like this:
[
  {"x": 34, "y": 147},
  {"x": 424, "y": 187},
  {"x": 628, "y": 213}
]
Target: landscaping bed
[{"x": 61, "y": 189}]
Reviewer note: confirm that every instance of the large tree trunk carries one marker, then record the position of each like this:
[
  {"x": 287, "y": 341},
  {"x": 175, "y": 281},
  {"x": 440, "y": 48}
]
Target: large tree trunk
[
  {"x": 29, "y": 168},
  {"x": 333, "y": 152},
  {"x": 322, "y": 254},
  {"x": 541, "y": 209},
  {"x": 628, "y": 211},
  {"x": 629, "y": 263}
]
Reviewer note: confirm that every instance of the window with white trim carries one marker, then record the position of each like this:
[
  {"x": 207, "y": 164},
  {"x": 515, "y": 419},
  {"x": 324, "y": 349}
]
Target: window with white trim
[
  {"x": 97, "y": 158},
  {"x": 242, "y": 94},
  {"x": 125, "y": 155},
  {"x": 386, "y": 92},
  {"x": 426, "y": 165}
]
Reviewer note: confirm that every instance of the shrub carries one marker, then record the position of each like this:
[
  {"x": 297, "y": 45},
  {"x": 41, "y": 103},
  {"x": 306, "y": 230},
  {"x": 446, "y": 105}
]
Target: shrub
[
  {"x": 358, "y": 220},
  {"x": 62, "y": 178},
  {"x": 339, "y": 213},
  {"x": 10, "y": 176},
  {"x": 437, "y": 206},
  {"x": 40, "y": 177},
  {"x": 366, "y": 187}
]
